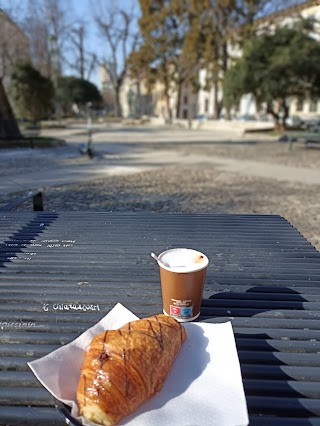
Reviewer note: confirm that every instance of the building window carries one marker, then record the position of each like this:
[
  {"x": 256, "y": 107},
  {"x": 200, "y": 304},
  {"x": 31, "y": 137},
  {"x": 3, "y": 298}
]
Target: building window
[
  {"x": 299, "y": 104},
  {"x": 206, "y": 105},
  {"x": 185, "y": 113},
  {"x": 313, "y": 105},
  {"x": 185, "y": 100}
]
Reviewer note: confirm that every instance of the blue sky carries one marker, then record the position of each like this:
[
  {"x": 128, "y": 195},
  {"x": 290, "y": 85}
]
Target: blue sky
[{"x": 77, "y": 10}]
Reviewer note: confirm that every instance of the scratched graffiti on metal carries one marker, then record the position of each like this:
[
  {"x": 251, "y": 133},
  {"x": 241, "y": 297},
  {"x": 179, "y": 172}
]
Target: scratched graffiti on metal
[
  {"x": 70, "y": 307},
  {"x": 16, "y": 324},
  {"x": 23, "y": 256},
  {"x": 49, "y": 243},
  {"x": 53, "y": 243}
]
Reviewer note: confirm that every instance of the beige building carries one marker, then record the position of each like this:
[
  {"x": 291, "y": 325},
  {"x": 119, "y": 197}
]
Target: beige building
[
  {"x": 106, "y": 88},
  {"x": 136, "y": 99},
  {"x": 14, "y": 47},
  {"x": 187, "y": 107}
]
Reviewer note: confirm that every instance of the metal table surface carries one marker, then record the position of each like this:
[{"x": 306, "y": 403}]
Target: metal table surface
[{"x": 62, "y": 272}]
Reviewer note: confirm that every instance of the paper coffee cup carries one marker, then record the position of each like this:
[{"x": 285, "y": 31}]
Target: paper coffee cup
[{"x": 182, "y": 275}]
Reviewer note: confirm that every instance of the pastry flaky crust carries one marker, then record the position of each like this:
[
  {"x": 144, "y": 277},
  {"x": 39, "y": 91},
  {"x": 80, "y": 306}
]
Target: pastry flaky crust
[{"x": 123, "y": 368}]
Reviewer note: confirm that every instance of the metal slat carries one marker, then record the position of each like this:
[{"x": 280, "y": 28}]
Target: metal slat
[
  {"x": 264, "y": 304},
  {"x": 263, "y": 323},
  {"x": 259, "y": 296},
  {"x": 283, "y": 421},
  {"x": 25, "y": 396},
  {"x": 214, "y": 286},
  {"x": 283, "y": 406},
  {"x": 15, "y": 364},
  {"x": 37, "y": 337},
  {"x": 31, "y": 349},
  {"x": 283, "y": 334},
  {"x": 267, "y": 358},
  {"x": 281, "y": 388},
  {"x": 231, "y": 313},
  {"x": 270, "y": 345},
  {"x": 18, "y": 378},
  {"x": 31, "y": 416},
  {"x": 280, "y": 372}
]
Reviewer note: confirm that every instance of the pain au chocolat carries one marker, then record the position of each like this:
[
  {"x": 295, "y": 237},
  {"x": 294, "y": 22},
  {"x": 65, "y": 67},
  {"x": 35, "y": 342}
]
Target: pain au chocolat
[{"x": 123, "y": 368}]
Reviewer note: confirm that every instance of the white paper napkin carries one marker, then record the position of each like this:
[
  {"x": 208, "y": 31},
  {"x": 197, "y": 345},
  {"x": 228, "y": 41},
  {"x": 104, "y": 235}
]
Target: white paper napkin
[{"x": 204, "y": 387}]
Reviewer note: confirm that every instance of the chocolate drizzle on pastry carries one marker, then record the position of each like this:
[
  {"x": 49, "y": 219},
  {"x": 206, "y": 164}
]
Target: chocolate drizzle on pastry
[
  {"x": 103, "y": 358},
  {"x": 159, "y": 336}
]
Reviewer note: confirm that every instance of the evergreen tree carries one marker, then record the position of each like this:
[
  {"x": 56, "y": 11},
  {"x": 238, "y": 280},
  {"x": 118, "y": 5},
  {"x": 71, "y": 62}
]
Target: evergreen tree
[
  {"x": 73, "y": 90},
  {"x": 9, "y": 128},
  {"x": 32, "y": 93},
  {"x": 274, "y": 67},
  {"x": 224, "y": 25}
]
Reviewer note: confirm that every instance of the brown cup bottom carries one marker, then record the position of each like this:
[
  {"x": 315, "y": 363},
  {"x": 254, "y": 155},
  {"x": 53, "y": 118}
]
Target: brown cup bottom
[{"x": 182, "y": 293}]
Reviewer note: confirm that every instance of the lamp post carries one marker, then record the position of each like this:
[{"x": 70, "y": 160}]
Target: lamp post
[{"x": 89, "y": 129}]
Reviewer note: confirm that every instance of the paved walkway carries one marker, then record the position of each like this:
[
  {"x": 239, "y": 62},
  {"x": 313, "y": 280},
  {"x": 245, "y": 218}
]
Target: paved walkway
[
  {"x": 62, "y": 176},
  {"x": 265, "y": 170}
]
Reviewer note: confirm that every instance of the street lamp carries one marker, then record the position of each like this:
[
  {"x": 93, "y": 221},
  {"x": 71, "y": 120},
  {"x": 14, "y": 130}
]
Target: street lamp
[{"x": 89, "y": 129}]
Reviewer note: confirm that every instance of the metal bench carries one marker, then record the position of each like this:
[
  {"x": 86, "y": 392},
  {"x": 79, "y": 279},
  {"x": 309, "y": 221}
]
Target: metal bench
[
  {"x": 307, "y": 138},
  {"x": 61, "y": 272}
]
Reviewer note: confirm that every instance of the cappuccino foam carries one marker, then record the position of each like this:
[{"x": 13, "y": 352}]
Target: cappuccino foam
[{"x": 183, "y": 260}]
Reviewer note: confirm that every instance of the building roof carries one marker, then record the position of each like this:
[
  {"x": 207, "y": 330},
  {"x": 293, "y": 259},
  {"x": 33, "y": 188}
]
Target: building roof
[
  {"x": 6, "y": 17},
  {"x": 288, "y": 11}
]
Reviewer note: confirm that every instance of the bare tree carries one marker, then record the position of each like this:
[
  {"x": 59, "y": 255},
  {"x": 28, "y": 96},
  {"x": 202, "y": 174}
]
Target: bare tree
[
  {"x": 82, "y": 61},
  {"x": 47, "y": 27},
  {"x": 119, "y": 30}
]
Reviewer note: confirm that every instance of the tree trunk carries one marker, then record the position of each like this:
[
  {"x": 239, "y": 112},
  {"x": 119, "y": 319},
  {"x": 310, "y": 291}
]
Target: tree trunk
[
  {"x": 168, "y": 108},
  {"x": 217, "y": 103},
  {"x": 9, "y": 128},
  {"x": 285, "y": 114},
  {"x": 139, "y": 100},
  {"x": 118, "y": 112},
  {"x": 81, "y": 52},
  {"x": 279, "y": 126},
  {"x": 276, "y": 117},
  {"x": 228, "y": 114},
  {"x": 190, "y": 117},
  {"x": 179, "y": 99}
]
